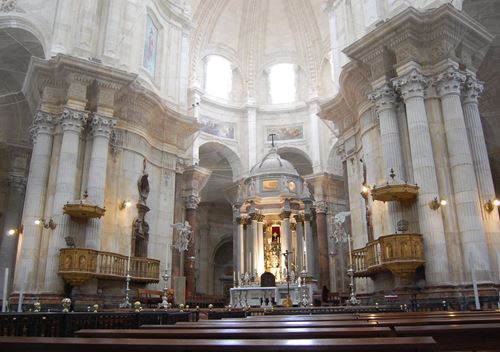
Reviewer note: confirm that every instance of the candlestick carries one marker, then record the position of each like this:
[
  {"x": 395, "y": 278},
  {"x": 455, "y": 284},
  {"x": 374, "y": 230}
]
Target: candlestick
[{"x": 349, "y": 247}]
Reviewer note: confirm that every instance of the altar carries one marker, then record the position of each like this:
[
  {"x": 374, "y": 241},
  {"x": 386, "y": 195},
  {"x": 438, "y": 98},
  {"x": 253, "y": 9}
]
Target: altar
[{"x": 266, "y": 297}]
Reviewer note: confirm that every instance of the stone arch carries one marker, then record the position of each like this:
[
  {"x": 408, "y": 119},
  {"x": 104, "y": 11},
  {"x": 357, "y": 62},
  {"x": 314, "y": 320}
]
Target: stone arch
[
  {"x": 223, "y": 267},
  {"x": 335, "y": 163},
  {"x": 299, "y": 159},
  {"x": 230, "y": 155},
  {"x": 14, "y": 21}
]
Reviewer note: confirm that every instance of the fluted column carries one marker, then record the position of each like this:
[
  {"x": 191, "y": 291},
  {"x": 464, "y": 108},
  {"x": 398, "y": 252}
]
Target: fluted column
[
  {"x": 34, "y": 201},
  {"x": 101, "y": 128},
  {"x": 449, "y": 84},
  {"x": 260, "y": 245},
  {"x": 285, "y": 237},
  {"x": 385, "y": 101},
  {"x": 241, "y": 243},
  {"x": 472, "y": 89},
  {"x": 255, "y": 245},
  {"x": 321, "y": 227},
  {"x": 411, "y": 86},
  {"x": 191, "y": 204},
  {"x": 9, "y": 243},
  {"x": 72, "y": 123}
]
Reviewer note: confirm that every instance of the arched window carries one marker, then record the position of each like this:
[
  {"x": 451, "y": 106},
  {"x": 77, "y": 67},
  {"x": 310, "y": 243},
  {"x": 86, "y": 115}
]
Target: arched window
[
  {"x": 218, "y": 77},
  {"x": 282, "y": 87}
]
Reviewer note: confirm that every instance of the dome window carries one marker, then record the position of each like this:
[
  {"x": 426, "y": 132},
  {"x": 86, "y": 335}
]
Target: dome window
[
  {"x": 218, "y": 77},
  {"x": 282, "y": 87}
]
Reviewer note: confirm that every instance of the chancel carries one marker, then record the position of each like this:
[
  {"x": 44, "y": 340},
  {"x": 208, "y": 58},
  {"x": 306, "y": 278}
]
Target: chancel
[{"x": 250, "y": 156}]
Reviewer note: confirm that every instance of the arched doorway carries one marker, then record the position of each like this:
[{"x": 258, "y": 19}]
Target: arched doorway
[
  {"x": 214, "y": 214},
  {"x": 223, "y": 269}
]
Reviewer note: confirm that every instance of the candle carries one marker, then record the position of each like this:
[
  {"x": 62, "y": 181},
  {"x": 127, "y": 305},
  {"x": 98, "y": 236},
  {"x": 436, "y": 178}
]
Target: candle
[{"x": 349, "y": 247}]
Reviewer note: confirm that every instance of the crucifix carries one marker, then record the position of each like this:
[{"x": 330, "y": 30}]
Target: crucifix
[{"x": 272, "y": 135}]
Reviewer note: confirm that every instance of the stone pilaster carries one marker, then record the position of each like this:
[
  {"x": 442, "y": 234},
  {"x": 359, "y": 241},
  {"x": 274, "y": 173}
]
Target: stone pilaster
[
  {"x": 72, "y": 124},
  {"x": 472, "y": 89},
  {"x": 449, "y": 84},
  {"x": 101, "y": 128},
  {"x": 411, "y": 85},
  {"x": 309, "y": 245},
  {"x": 34, "y": 201},
  {"x": 236, "y": 242}
]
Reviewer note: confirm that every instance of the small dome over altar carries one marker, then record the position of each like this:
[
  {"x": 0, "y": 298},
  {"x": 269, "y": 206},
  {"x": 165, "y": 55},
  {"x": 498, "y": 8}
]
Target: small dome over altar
[
  {"x": 273, "y": 164},
  {"x": 274, "y": 176}
]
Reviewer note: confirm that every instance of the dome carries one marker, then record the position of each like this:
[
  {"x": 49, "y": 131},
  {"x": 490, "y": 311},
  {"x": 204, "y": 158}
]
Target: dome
[{"x": 273, "y": 164}]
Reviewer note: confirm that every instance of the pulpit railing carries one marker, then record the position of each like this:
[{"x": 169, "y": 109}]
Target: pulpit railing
[
  {"x": 77, "y": 265},
  {"x": 399, "y": 253}
]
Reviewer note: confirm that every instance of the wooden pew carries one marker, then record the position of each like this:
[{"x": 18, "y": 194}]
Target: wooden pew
[
  {"x": 317, "y": 317},
  {"x": 264, "y": 324},
  {"x": 435, "y": 321},
  {"x": 151, "y": 298},
  {"x": 222, "y": 333},
  {"x": 463, "y": 337},
  {"x": 60, "y": 344}
]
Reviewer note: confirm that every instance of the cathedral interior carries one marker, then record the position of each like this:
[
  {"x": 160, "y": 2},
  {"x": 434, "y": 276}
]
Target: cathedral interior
[{"x": 352, "y": 147}]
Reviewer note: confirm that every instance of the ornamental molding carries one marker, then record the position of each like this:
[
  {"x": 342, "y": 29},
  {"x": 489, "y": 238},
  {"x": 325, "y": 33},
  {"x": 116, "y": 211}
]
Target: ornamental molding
[
  {"x": 17, "y": 183},
  {"x": 426, "y": 37},
  {"x": 321, "y": 207},
  {"x": 10, "y": 6}
]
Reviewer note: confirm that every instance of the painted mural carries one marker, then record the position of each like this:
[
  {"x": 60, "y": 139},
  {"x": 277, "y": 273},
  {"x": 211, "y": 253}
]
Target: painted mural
[
  {"x": 149, "y": 61},
  {"x": 216, "y": 128},
  {"x": 285, "y": 133}
]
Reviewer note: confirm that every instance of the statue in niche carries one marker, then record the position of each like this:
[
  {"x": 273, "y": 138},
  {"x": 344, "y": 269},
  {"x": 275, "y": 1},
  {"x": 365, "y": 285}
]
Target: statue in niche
[
  {"x": 143, "y": 185},
  {"x": 251, "y": 187},
  {"x": 306, "y": 193}
]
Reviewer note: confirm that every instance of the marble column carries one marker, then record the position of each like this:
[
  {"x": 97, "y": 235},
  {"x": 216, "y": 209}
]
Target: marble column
[
  {"x": 309, "y": 245},
  {"x": 34, "y": 201},
  {"x": 236, "y": 243},
  {"x": 101, "y": 128},
  {"x": 241, "y": 243},
  {"x": 321, "y": 227},
  {"x": 191, "y": 204},
  {"x": 474, "y": 247},
  {"x": 255, "y": 245},
  {"x": 12, "y": 220},
  {"x": 472, "y": 89},
  {"x": 72, "y": 124},
  {"x": 285, "y": 237},
  {"x": 260, "y": 245},
  {"x": 385, "y": 102},
  {"x": 411, "y": 85},
  {"x": 299, "y": 256}
]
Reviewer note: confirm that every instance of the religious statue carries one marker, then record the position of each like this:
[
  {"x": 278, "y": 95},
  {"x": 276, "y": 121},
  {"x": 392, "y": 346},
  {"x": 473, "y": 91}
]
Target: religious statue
[
  {"x": 143, "y": 185},
  {"x": 182, "y": 241},
  {"x": 251, "y": 187}
]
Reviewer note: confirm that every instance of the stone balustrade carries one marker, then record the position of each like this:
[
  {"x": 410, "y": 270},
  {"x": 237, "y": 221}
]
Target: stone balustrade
[
  {"x": 400, "y": 254},
  {"x": 77, "y": 265}
]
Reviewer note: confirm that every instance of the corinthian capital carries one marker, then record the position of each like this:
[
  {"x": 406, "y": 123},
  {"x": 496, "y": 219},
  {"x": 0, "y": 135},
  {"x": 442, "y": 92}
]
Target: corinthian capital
[
  {"x": 411, "y": 85},
  {"x": 450, "y": 81},
  {"x": 384, "y": 98},
  {"x": 102, "y": 126},
  {"x": 73, "y": 120},
  {"x": 472, "y": 90},
  {"x": 191, "y": 201},
  {"x": 42, "y": 123},
  {"x": 321, "y": 207}
]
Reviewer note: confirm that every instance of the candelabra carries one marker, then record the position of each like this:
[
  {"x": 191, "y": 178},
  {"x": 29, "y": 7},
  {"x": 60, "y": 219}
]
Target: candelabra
[
  {"x": 126, "y": 302},
  {"x": 164, "y": 303},
  {"x": 353, "y": 300}
]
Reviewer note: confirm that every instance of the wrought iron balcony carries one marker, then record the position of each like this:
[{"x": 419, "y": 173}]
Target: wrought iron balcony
[
  {"x": 400, "y": 254},
  {"x": 77, "y": 265}
]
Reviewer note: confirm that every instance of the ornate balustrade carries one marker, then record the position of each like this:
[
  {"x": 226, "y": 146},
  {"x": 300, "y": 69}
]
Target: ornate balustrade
[
  {"x": 400, "y": 254},
  {"x": 77, "y": 265}
]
